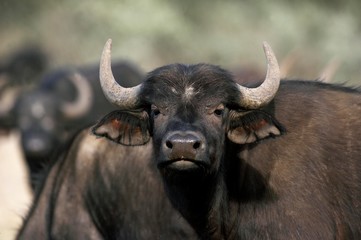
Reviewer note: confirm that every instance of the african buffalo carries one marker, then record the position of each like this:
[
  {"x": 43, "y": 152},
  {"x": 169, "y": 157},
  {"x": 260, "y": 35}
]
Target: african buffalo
[
  {"x": 101, "y": 190},
  {"x": 63, "y": 102},
  {"x": 280, "y": 161},
  {"x": 18, "y": 71}
]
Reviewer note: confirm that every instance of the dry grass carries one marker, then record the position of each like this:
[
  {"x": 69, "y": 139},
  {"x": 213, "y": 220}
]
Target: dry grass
[{"x": 15, "y": 195}]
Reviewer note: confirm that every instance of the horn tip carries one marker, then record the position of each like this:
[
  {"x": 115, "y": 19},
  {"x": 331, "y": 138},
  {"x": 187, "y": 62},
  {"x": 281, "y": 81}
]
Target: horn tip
[
  {"x": 265, "y": 43},
  {"x": 108, "y": 44},
  {"x": 271, "y": 58},
  {"x": 266, "y": 47}
]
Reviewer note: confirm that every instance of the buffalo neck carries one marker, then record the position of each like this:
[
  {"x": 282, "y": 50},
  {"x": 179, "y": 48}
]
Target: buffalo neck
[
  {"x": 212, "y": 203},
  {"x": 198, "y": 199}
]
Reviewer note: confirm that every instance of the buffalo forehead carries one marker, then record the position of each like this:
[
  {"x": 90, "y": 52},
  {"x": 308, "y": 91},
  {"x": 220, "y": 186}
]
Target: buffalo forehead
[
  {"x": 188, "y": 96},
  {"x": 195, "y": 83}
]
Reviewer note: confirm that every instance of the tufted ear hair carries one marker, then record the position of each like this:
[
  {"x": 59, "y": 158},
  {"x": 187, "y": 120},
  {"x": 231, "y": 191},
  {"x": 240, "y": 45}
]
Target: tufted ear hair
[
  {"x": 128, "y": 128},
  {"x": 253, "y": 126}
]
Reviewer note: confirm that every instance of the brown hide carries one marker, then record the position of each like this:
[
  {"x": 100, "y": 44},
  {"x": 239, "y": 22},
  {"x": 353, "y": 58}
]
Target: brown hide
[
  {"x": 312, "y": 173},
  {"x": 131, "y": 191}
]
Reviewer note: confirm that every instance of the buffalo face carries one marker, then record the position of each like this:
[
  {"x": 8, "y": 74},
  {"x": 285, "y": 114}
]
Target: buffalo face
[
  {"x": 187, "y": 109},
  {"x": 41, "y": 113},
  {"x": 185, "y": 114},
  {"x": 37, "y": 121}
]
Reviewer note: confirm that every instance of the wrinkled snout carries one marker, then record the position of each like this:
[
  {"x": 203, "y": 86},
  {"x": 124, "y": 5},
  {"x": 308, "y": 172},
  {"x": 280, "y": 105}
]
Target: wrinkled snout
[{"x": 183, "y": 150}]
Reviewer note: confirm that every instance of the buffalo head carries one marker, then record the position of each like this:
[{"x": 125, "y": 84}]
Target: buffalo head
[
  {"x": 190, "y": 112},
  {"x": 40, "y": 113}
]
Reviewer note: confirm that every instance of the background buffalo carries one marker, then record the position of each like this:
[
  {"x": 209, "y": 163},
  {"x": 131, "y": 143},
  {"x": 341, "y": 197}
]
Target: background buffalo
[
  {"x": 63, "y": 102},
  {"x": 19, "y": 71}
]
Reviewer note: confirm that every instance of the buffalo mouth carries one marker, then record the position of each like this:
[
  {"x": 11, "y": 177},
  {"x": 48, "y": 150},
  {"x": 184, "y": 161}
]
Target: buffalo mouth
[{"x": 182, "y": 164}]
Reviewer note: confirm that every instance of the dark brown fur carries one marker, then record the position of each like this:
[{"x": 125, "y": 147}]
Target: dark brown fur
[{"x": 100, "y": 190}]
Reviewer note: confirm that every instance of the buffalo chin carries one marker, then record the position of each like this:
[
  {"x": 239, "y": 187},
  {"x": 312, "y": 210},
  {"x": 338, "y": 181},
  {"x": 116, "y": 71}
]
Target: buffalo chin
[{"x": 182, "y": 165}]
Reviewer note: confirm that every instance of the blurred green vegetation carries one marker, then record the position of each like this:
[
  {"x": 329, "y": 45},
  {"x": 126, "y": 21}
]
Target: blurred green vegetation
[{"x": 156, "y": 32}]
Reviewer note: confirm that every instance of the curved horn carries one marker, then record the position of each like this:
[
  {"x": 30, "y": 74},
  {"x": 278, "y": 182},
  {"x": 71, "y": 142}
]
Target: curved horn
[
  {"x": 125, "y": 98},
  {"x": 254, "y": 98},
  {"x": 84, "y": 100}
]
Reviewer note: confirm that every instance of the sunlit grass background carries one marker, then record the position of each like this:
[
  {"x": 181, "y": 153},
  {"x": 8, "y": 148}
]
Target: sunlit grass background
[{"x": 151, "y": 33}]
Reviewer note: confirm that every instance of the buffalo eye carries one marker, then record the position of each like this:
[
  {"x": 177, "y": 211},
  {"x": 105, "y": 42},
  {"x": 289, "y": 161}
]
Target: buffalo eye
[
  {"x": 155, "y": 110},
  {"x": 219, "y": 110}
]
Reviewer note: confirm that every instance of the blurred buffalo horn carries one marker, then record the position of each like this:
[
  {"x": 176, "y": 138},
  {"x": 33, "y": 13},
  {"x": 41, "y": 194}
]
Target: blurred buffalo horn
[
  {"x": 84, "y": 100},
  {"x": 329, "y": 71}
]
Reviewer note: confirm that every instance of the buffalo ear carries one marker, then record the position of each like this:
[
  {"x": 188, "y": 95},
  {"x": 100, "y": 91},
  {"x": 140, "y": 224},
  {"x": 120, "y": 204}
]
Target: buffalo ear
[
  {"x": 124, "y": 127},
  {"x": 253, "y": 126}
]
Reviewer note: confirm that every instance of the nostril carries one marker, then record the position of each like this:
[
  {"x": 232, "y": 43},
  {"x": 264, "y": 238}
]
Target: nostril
[
  {"x": 180, "y": 144},
  {"x": 169, "y": 144},
  {"x": 196, "y": 145}
]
